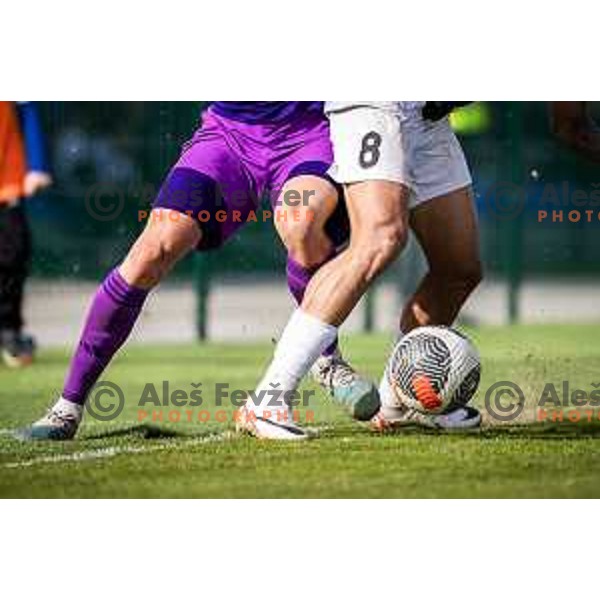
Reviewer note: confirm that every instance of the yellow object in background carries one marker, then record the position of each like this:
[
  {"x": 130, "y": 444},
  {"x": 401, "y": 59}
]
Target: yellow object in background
[{"x": 473, "y": 119}]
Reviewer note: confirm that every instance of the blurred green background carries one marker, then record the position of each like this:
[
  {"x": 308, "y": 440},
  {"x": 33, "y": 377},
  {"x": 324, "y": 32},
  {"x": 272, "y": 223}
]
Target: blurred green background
[{"x": 129, "y": 147}]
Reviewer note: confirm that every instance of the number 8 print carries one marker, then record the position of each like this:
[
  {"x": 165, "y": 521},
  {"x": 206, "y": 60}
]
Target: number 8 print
[{"x": 369, "y": 153}]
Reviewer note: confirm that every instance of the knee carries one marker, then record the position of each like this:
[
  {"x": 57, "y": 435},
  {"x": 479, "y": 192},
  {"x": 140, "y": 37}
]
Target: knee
[
  {"x": 149, "y": 261},
  {"x": 381, "y": 248},
  {"x": 305, "y": 240}
]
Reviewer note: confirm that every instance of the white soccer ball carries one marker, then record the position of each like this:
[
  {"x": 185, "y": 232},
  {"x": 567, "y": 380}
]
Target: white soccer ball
[{"x": 434, "y": 370}]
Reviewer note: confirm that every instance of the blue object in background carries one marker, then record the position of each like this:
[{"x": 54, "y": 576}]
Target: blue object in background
[{"x": 33, "y": 137}]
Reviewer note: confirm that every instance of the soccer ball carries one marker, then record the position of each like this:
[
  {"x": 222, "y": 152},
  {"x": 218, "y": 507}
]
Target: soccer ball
[{"x": 434, "y": 370}]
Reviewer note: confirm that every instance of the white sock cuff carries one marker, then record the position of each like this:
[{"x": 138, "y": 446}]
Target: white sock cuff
[
  {"x": 301, "y": 343},
  {"x": 306, "y": 333},
  {"x": 312, "y": 324}
]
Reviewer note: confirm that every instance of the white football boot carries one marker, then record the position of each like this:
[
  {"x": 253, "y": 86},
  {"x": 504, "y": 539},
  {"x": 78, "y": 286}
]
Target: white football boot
[
  {"x": 394, "y": 417},
  {"x": 268, "y": 425}
]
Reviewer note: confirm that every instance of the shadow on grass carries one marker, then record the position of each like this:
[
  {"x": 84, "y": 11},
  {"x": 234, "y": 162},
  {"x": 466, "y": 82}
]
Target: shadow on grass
[
  {"x": 545, "y": 430},
  {"x": 525, "y": 431},
  {"x": 144, "y": 432}
]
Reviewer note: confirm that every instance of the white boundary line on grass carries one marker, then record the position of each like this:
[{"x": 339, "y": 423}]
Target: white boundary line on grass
[{"x": 112, "y": 451}]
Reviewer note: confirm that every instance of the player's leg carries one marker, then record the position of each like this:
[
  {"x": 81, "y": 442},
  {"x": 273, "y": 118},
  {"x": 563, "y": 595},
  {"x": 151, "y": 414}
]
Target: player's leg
[
  {"x": 173, "y": 230},
  {"x": 301, "y": 226},
  {"x": 15, "y": 254},
  {"x": 314, "y": 227},
  {"x": 378, "y": 234},
  {"x": 444, "y": 221},
  {"x": 301, "y": 207},
  {"x": 302, "y": 229},
  {"x": 369, "y": 157},
  {"x": 311, "y": 232},
  {"x": 112, "y": 315},
  {"x": 370, "y": 162},
  {"x": 446, "y": 229},
  {"x": 305, "y": 198},
  {"x": 168, "y": 237},
  {"x": 378, "y": 221}
]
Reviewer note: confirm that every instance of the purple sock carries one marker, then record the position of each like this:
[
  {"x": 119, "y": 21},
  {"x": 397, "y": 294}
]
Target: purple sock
[
  {"x": 298, "y": 278},
  {"x": 111, "y": 318}
]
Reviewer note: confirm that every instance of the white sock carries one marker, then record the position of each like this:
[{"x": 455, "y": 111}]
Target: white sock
[
  {"x": 66, "y": 407},
  {"x": 302, "y": 342},
  {"x": 386, "y": 394}
]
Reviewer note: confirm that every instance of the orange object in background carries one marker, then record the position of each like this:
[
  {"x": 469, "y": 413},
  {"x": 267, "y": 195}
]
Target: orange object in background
[{"x": 12, "y": 155}]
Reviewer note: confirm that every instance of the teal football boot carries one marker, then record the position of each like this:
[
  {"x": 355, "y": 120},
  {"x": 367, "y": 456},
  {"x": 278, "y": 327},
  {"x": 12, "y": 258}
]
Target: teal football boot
[{"x": 346, "y": 386}]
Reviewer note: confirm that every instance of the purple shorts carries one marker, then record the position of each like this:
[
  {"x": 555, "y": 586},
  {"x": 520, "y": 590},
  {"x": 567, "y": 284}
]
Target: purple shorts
[{"x": 228, "y": 167}]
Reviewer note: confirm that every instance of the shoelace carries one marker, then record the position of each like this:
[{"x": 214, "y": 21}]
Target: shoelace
[
  {"x": 337, "y": 373},
  {"x": 57, "y": 418}
]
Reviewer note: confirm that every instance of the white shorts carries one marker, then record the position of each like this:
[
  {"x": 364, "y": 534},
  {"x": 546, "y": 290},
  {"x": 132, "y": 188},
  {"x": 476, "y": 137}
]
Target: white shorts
[{"x": 372, "y": 143}]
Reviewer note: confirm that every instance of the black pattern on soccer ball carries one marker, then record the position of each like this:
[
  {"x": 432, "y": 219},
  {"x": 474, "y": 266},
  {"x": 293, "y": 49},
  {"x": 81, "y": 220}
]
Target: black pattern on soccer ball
[
  {"x": 466, "y": 390},
  {"x": 442, "y": 361},
  {"x": 421, "y": 354}
]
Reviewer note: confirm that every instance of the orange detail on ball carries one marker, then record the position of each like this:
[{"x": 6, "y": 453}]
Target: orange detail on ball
[{"x": 425, "y": 392}]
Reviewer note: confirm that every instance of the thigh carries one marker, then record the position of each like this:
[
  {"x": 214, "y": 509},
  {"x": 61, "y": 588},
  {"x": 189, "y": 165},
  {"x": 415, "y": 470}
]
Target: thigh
[
  {"x": 210, "y": 184},
  {"x": 376, "y": 208},
  {"x": 302, "y": 192},
  {"x": 371, "y": 161},
  {"x": 367, "y": 146},
  {"x": 436, "y": 161},
  {"x": 447, "y": 230}
]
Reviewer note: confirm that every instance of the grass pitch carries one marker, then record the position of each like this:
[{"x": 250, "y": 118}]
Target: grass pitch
[{"x": 134, "y": 457}]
